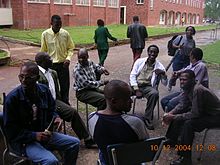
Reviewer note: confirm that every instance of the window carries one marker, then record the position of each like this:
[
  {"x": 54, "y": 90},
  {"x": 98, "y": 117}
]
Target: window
[
  {"x": 45, "y": 1},
  {"x": 63, "y": 1},
  {"x": 113, "y": 3},
  {"x": 151, "y": 4},
  {"x": 139, "y": 1},
  {"x": 82, "y": 2},
  {"x": 98, "y": 2}
]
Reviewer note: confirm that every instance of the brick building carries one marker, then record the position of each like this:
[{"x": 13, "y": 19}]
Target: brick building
[
  {"x": 29, "y": 14},
  {"x": 37, "y": 13},
  {"x": 163, "y": 12}
]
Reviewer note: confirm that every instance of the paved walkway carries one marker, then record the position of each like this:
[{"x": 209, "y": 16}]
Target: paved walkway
[{"x": 119, "y": 64}]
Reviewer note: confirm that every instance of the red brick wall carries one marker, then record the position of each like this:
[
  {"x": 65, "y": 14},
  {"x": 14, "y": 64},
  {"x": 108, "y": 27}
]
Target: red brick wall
[
  {"x": 152, "y": 17},
  {"x": 37, "y": 15}
]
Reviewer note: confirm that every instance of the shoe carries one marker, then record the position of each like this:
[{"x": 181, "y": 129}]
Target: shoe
[
  {"x": 90, "y": 144},
  {"x": 169, "y": 88},
  {"x": 182, "y": 161}
]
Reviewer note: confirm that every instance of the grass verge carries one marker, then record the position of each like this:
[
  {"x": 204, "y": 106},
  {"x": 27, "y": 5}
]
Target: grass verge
[{"x": 84, "y": 34}]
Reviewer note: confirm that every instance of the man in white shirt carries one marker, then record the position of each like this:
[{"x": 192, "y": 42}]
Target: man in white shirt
[
  {"x": 66, "y": 112},
  {"x": 143, "y": 79}
]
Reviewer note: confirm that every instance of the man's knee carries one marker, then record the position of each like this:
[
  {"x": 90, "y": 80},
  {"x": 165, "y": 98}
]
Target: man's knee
[{"x": 52, "y": 160}]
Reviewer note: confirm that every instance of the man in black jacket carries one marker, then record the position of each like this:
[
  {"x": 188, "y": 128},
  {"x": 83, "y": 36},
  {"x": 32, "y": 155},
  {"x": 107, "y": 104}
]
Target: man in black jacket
[{"x": 137, "y": 34}]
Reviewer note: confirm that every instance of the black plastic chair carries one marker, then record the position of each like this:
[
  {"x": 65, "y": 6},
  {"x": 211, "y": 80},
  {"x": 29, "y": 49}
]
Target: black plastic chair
[{"x": 135, "y": 153}]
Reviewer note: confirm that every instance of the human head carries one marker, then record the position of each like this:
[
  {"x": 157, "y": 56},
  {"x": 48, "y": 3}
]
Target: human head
[
  {"x": 187, "y": 79},
  {"x": 196, "y": 54},
  {"x": 43, "y": 59},
  {"x": 117, "y": 94},
  {"x": 190, "y": 31},
  {"x": 100, "y": 22},
  {"x": 83, "y": 56},
  {"x": 56, "y": 23},
  {"x": 28, "y": 76},
  {"x": 135, "y": 18},
  {"x": 152, "y": 51}
]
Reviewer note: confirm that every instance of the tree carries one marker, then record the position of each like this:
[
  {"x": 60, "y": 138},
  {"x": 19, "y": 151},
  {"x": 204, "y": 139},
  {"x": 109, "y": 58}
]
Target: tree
[{"x": 212, "y": 9}]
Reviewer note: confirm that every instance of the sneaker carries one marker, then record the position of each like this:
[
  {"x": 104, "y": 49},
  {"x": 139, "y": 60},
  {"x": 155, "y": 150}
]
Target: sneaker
[
  {"x": 182, "y": 161},
  {"x": 169, "y": 88},
  {"x": 149, "y": 125},
  {"x": 90, "y": 144}
]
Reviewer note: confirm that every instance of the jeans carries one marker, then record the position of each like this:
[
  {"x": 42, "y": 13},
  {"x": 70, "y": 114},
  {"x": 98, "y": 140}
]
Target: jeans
[
  {"x": 41, "y": 153},
  {"x": 169, "y": 102}
]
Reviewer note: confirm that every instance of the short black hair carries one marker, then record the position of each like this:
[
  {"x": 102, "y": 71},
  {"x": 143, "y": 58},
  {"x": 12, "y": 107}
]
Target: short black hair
[
  {"x": 191, "y": 74},
  {"x": 31, "y": 66},
  {"x": 135, "y": 18},
  {"x": 40, "y": 57},
  {"x": 55, "y": 17},
  {"x": 100, "y": 22},
  {"x": 155, "y": 46},
  {"x": 197, "y": 53},
  {"x": 194, "y": 30}
]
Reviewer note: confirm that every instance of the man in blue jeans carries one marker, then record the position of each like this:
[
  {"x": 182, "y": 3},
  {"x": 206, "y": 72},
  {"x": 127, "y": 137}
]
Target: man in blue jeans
[{"x": 28, "y": 110}]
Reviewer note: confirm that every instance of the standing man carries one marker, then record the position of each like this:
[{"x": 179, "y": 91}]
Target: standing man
[
  {"x": 101, "y": 40},
  {"x": 59, "y": 45},
  {"x": 28, "y": 110},
  {"x": 143, "y": 79},
  {"x": 137, "y": 34}
]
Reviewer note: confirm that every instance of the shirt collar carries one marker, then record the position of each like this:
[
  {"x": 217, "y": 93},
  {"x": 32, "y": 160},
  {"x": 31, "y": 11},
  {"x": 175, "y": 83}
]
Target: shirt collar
[{"x": 42, "y": 69}]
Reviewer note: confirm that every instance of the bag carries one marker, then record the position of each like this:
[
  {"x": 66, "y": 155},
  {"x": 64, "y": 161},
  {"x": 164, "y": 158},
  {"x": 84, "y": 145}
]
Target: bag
[{"x": 171, "y": 49}]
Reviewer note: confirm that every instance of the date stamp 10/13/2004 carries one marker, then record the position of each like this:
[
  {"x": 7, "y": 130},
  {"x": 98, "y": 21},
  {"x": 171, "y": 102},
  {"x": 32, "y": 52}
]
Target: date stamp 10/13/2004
[{"x": 196, "y": 147}]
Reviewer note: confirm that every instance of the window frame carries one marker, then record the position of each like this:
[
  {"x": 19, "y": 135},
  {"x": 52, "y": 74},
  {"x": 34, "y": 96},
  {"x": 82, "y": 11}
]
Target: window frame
[
  {"x": 81, "y": 4},
  {"x": 37, "y": 1},
  {"x": 117, "y": 4},
  {"x": 139, "y": 2},
  {"x": 61, "y": 3},
  {"x": 104, "y": 5}
]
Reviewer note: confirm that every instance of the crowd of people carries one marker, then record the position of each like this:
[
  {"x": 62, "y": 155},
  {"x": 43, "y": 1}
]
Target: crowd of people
[{"x": 43, "y": 97}]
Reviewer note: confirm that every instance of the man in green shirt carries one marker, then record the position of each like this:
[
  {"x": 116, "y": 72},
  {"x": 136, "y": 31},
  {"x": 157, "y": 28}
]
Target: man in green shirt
[
  {"x": 101, "y": 39},
  {"x": 59, "y": 45}
]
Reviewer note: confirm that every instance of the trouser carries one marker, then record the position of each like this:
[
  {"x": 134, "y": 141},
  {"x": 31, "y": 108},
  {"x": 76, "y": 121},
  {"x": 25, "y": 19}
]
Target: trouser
[
  {"x": 186, "y": 129},
  {"x": 102, "y": 56},
  {"x": 41, "y": 153},
  {"x": 152, "y": 95},
  {"x": 64, "y": 80},
  {"x": 94, "y": 97},
  {"x": 136, "y": 54},
  {"x": 69, "y": 114},
  {"x": 196, "y": 125},
  {"x": 169, "y": 102}
]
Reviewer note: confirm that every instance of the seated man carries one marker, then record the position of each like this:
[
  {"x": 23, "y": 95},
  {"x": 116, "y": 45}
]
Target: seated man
[
  {"x": 204, "y": 113},
  {"x": 143, "y": 78},
  {"x": 28, "y": 110},
  {"x": 112, "y": 125},
  {"x": 65, "y": 111},
  {"x": 200, "y": 70},
  {"x": 86, "y": 83}
]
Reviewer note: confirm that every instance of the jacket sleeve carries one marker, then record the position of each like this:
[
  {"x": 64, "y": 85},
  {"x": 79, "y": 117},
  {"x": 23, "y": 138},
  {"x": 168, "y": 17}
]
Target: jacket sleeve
[
  {"x": 109, "y": 35},
  {"x": 70, "y": 47},
  {"x": 44, "y": 47}
]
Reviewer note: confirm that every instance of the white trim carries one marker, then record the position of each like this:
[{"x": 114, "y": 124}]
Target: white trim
[{"x": 125, "y": 10}]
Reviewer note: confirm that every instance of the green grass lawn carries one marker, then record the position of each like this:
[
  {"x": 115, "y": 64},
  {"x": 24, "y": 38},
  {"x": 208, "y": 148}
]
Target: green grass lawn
[
  {"x": 84, "y": 34},
  {"x": 212, "y": 52},
  {"x": 2, "y": 54}
]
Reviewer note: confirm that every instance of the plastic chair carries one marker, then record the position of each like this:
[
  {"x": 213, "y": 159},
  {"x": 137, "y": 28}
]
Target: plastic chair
[
  {"x": 204, "y": 139},
  {"x": 135, "y": 153}
]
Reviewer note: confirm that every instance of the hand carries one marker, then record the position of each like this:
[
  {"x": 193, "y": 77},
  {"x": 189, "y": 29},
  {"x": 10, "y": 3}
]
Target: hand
[
  {"x": 42, "y": 136},
  {"x": 105, "y": 71},
  {"x": 66, "y": 63},
  {"x": 167, "y": 118},
  {"x": 138, "y": 94},
  {"x": 159, "y": 71}
]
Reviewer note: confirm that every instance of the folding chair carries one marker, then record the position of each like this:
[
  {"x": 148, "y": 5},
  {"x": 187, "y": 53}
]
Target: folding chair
[
  {"x": 135, "y": 153},
  {"x": 204, "y": 139}
]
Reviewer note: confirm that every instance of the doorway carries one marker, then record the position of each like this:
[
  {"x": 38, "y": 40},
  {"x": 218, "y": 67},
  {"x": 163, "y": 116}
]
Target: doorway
[{"x": 122, "y": 14}]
